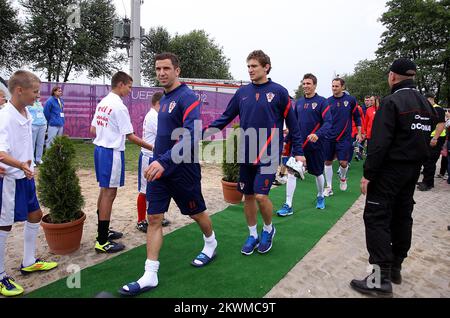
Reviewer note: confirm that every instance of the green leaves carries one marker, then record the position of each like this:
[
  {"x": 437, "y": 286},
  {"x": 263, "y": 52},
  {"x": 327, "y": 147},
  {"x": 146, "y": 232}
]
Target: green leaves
[
  {"x": 200, "y": 56},
  {"x": 53, "y": 44},
  {"x": 369, "y": 78},
  {"x": 420, "y": 30},
  {"x": 59, "y": 187},
  {"x": 10, "y": 31}
]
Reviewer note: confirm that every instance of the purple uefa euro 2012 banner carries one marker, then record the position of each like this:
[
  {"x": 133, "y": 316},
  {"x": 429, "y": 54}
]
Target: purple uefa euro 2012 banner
[{"x": 80, "y": 102}]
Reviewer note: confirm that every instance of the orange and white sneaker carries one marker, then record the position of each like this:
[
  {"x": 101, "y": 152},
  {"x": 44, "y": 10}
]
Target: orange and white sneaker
[
  {"x": 39, "y": 265},
  {"x": 9, "y": 288},
  {"x": 343, "y": 184}
]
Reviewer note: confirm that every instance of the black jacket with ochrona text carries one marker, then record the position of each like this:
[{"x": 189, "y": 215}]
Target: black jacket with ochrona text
[{"x": 401, "y": 129}]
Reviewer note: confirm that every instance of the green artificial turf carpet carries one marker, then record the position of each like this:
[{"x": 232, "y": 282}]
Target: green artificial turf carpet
[{"x": 231, "y": 274}]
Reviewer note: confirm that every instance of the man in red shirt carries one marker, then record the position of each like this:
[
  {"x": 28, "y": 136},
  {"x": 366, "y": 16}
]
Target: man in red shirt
[{"x": 370, "y": 116}]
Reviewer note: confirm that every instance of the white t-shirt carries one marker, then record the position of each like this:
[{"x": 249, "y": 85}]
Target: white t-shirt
[
  {"x": 112, "y": 123},
  {"x": 149, "y": 130},
  {"x": 16, "y": 138}
]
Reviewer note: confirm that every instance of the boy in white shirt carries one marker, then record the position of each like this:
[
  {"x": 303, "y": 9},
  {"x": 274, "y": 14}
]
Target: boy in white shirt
[
  {"x": 149, "y": 130},
  {"x": 18, "y": 200},
  {"x": 112, "y": 125}
]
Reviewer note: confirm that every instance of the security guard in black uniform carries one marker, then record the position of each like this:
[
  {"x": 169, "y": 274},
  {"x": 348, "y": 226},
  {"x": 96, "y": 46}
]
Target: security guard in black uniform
[{"x": 397, "y": 149}]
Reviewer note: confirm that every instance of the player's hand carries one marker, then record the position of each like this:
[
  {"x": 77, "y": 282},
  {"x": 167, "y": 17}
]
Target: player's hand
[
  {"x": 154, "y": 171},
  {"x": 359, "y": 137},
  {"x": 364, "y": 184},
  {"x": 25, "y": 167},
  {"x": 313, "y": 138},
  {"x": 302, "y": 159}
]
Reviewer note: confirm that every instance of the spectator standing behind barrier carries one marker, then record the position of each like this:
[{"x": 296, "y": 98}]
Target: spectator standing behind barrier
[
  {"x": 436, "y": 141},
  {"x": 39, "y": 126},
  {"x": 397, "y": 149},
  {"x": 54, "y": 114},
  {"x": 2, "y": 99}
]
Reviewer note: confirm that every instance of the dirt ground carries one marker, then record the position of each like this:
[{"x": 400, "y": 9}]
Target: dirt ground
[{"x": 124, "y": 217}]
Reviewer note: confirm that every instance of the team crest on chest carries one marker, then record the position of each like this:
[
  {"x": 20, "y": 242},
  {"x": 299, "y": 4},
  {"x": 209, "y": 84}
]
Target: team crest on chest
[
  {"x": 346, "y": 103},
  {"x": 172, "y": 106},
  {"x": 314, "y": 105},
  {"x": 270, "y": 96}
]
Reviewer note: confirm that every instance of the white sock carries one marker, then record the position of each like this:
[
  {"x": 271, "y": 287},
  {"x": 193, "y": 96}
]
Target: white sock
[
  {"x": 290, "y": 189},
  {"x": 268, "y": 228},
  {"x": 344, "y": 172},
  {"x": 253, "y": 231},
  {"x": 150, "y": 277},
  {"x": 320, "y": 183},
  {"x": 210, "y": 244},
  {"x": 3, "y": 237},
  {"x": 30, "y": 232},
  {"x": 329, "y": 176}
]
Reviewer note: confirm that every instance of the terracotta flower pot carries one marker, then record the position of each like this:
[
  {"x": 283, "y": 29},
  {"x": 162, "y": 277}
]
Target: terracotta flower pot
[
  {"x": 231, "y": 193},
  {"x": 63, "y": 238}
]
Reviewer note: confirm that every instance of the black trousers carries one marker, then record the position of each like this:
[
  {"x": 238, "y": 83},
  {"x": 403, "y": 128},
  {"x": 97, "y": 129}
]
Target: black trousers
[
  {"x": 444, "y": 165},
  {"x": 388, "y": 212},
  {"x": 429, "y": 167}
]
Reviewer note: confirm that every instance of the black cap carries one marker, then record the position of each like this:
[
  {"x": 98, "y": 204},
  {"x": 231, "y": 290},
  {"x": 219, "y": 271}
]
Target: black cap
[
  {"x": 404, "y": 66},
  {"x": 429, "y": 95}
]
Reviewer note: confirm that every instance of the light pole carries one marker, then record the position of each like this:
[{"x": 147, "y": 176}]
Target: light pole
[{"x": 135, "y": 57}]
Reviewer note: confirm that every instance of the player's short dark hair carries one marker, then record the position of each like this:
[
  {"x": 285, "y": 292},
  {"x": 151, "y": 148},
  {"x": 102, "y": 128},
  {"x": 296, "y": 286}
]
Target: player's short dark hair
[
  {"x": 23, "y": 79},
  {"x": 156, "y": 98},
  {"x": 168, "y": 56},
  {"x": 120, "y": 77},
  {"x": 261, "y": 57},
  {"x": 341, "y": 80},
  {"x": 311, "y": 77}
]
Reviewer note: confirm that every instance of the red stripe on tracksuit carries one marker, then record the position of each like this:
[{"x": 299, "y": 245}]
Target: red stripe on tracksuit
[
  {"x": 343, "y": 131},
  {"x": 190, "y": 108},
  {"x": 312, "y": 132},
  {"x": 288, "y": 106},
  {"x": 325, "y": 111},
  {"x": 265, "y": 145},
  {"x": 317, "y": 127}
]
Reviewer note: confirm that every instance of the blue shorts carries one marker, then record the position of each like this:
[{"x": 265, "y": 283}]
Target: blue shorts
[
  {"x": 109, "y": 167},
  {"x": 337, "y": 149},
  {"x": 184, "y": 186},
  {"x": 17, "y": 199},
  {"x": 144, "y": 162},
  {"x": 251, "y": 180},
  {"x": 314, "y": 161}
]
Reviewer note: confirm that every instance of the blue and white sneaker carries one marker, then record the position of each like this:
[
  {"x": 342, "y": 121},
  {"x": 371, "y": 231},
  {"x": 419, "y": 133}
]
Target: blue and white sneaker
[
  {"x": 320, "y": 203},
  {"x": 285, "y": 210},
  {"x": 250, "y": 245},
  {"x": 266, "y": 241}
]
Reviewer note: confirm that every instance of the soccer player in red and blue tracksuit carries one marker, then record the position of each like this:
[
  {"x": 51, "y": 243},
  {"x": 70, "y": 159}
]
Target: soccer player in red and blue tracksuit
[
  {"x": 339, "y": 143},
  {"x": 262, "y": 107},
  {"x": 314, "y": 120},
  {"x": 175, "y": 171}
]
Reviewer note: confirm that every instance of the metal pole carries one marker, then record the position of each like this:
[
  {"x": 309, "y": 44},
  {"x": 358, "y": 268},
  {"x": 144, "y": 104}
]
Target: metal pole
[{"x": 135, "y": 58}]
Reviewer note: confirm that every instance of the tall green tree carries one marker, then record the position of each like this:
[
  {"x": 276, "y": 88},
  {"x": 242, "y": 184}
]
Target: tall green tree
[
  {"x": 299, "y": 92},
  {"x": 200, "y": 56},
  {"x": 10, "y": 30},
  {"x": 368, "y": 78},
  {"x": 54, "y": 43},
  {"x": 157, "y": 41},
  {"x": 420, "y": 30}
]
